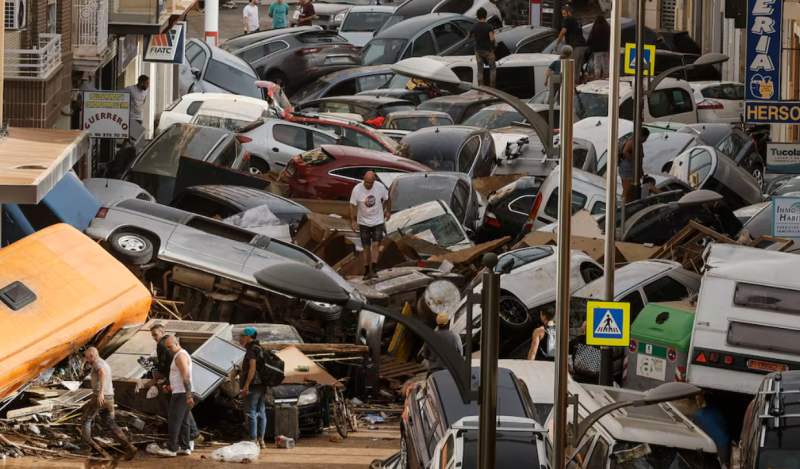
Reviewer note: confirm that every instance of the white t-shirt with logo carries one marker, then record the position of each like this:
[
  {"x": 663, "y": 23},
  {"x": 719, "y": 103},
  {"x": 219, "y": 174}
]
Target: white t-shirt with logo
[
  {"x": 369, "y": 203},
  {"x": 251, "y": 13}
]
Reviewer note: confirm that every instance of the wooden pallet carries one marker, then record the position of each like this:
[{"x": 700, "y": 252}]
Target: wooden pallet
[{"x": 393, "y": 369}]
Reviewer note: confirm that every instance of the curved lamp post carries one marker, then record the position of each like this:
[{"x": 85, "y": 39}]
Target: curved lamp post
[{"x": 435, "y": 71}]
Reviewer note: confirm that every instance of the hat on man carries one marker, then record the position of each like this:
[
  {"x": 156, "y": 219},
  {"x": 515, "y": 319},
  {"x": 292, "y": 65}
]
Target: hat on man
[
  {"x": 251, "y": 331},
  {"x": 442, "y": 319}
]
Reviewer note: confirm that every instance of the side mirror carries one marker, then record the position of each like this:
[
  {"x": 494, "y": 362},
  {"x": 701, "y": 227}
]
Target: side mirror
[{"x": 196, "y": 72}]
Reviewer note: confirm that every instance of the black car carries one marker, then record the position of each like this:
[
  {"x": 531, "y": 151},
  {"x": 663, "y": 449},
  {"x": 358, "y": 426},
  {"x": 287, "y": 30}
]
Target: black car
[
  {"x": 734, "y": 143},
  {"x": 226, "y": 201},
  {"x": 416, "y": 97},
  {"x": 770, "y": 434},
  {"x": 156, "y": 168},
  {"x": 468, "y": 150},
  {"x": 455, "y": 189},
  {"x": 628, "y": 34},
  {"x": 345, "y": 83},
  {"x": 680, "y": 41},
  {"x": 460, "y": 107},
  {"x": 368, "y": 107},
  {"x": 294, "y": 57},
  {"x": 508, "y": 209},
  {"x": 525, "y": 39},
  {"x": 433, "y": 406}
]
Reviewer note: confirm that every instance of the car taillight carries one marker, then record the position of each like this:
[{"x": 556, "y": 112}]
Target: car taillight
[
  {"x": 535, "y": 208},
  {"x": 246, "y": 157},
  {"x": 709, "y": 104},
  {"x": 310, "y": 180},
  {"x": 308, "y": 50},
  {"x": 491, "y": 220},
  {"x": 102, "y": 212},
  {"x": 243, "y": 139},
  {"x": 353, "y": 48}
]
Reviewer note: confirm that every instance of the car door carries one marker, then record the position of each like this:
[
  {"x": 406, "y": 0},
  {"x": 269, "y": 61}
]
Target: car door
[
  {"x": 673, "y": 104},
  {"x": 196, "y": 57},
  {"x": 423, "y": 45},
  {"x": 285, "y": 141},
  {"x": 450, "y": 39},
  {"x": 444, "y": 457}
]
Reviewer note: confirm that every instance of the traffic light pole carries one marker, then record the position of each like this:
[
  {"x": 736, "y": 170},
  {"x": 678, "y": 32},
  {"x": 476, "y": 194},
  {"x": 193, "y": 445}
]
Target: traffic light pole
[{"x": 638, "y": 117}]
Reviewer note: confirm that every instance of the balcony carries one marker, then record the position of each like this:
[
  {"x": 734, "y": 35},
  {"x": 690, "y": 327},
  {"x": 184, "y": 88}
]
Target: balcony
[
  {"x": 137, "y": 16},
  {"x": 90, "y": 28},
  {"x": 34, "y": 64}
]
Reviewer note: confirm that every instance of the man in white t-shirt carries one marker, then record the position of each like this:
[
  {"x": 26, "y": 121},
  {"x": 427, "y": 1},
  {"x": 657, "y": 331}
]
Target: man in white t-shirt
[
  {"x": 372, "y": 204},
  {"x": 250, "y": 13}
]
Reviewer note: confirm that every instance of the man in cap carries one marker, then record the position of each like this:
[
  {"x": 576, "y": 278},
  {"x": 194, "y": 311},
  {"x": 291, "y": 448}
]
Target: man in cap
[{"x": 254, "y": 392}]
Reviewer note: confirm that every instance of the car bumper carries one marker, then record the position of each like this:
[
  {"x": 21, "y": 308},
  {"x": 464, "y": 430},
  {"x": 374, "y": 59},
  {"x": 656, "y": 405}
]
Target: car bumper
[{"x": 309, "y": 417}]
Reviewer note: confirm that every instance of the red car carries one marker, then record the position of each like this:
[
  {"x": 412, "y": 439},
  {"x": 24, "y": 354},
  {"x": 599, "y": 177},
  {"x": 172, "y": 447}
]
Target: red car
[
  {"x": 351, "y": 133},
  {"x": 332, "y": 171}
]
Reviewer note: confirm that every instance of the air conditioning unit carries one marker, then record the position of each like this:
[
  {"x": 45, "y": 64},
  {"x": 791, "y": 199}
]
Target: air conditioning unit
[{"x": 16, "y": 14}]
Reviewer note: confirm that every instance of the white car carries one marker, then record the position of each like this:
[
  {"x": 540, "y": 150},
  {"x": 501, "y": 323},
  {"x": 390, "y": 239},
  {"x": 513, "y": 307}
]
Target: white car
[
  {"x": 527, "y": 288},
  {"x": 719, "y": 101},
  {"x": 183, "y": 109},
  {"x": 433, "y": 222},
  {"x": 673, "y": 100},
  {"x": 361, "y": 22}
]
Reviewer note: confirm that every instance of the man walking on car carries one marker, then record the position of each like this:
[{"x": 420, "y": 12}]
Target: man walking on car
[
  {"x": 369, "y": 210},
  {"x": 483, "y": 33},
  {"x": 182, "y": 401}
]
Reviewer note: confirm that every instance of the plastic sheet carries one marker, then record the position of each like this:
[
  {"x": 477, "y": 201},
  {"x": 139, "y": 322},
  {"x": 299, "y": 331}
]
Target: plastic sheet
[{"x": 237, "y": 452}]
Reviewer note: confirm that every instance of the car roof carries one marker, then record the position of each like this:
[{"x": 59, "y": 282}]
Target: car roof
[
  {"x": 445, "y": 179},
  {"x": 418, "y": 113},
  {"x": 712, "y": 133},
  {"x": 627, "y": 277},
  {"x": 387, "y": 8},
  {"x": 708, "y": 84},
  {"x": 336, "y": 77},
  {"x": 367, "y": 99},
  {"x": 625, "y": 85},
  {"x": 513, "y": 35},
  {"x": 226, "y": 58},
  {"x": 450, "y": 136},
  {"x": 509, "y": 401},
  {"x": 414, "y": 8},
  {"x": 582, "y": 176},
  {"x": 520, "y": 59},
  {"x": 758, "y": 266},
  {"x": 386, "y": 92},
  {"x": 408, "y": 29},
  {"x": 243, "y": 109},
  {"x": 354, "y": 153},
  {"x": 246, "y": 40},
  {"x": 249, "y": 197}
]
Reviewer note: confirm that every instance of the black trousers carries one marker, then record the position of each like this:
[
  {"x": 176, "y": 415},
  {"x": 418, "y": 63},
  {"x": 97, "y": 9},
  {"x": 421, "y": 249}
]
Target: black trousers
[{"x": 179, "y": 422}]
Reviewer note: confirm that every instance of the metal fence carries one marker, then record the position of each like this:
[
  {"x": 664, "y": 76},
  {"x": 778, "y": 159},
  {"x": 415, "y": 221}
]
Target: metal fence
[
  {"x": 90, "y": 27},
  {"x": 35, "y": 64}
]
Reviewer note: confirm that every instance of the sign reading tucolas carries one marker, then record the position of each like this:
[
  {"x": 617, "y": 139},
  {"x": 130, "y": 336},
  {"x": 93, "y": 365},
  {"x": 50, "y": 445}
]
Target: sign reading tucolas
[{"x": 783, "y": 158}]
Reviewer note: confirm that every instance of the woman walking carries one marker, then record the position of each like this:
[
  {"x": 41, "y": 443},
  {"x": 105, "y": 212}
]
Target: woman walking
[{"x": 599, "y": 44}]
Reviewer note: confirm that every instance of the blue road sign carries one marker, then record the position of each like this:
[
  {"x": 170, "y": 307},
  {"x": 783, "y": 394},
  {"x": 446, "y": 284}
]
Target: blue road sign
[
  {"x": 608, "y": 323},
  {"x": 649, "y": 59}
]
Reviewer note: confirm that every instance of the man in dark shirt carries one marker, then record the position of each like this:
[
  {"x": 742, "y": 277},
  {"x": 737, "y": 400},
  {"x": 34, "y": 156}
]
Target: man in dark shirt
[
  {"x": 571, "y": 33},
  {"x": 483, "y": 33},
  {"x": 435, "y": 363},
  {"x": 253, "y": 391},
  {"x": 307, "y": 13}
]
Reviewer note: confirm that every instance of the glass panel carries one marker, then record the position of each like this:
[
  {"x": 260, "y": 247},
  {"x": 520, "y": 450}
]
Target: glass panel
[
  {"x": 767, "y": 298},
  {"x": 523, "y": 204},
  {"x": 205, "y": 380},
  {"x": 423, "y": 46},
  {"x": 292, "y": 136},
  {"x": 220, "y": 354},
  {"x": 232, "y": 79},
  {"x": 468, "y": 153},
  {"x": 774, "y": 339},
  {"x": 447, "y": 35},
  {"x": 665, "y": 289},
  {"x": 551, "y": 209}
]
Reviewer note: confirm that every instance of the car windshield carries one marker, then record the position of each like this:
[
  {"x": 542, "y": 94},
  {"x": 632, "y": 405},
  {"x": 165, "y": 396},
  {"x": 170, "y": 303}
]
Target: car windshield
[
  {"x": 431, "y": 159},
  {"x": 309, "y": 91},
  {"x": 591, "y": 105},
  {"x": 416, "y": 123},
  {"x": 382, "y": 51},
  {"x": 493, "y": 118},
  {"x": 630, "y": 455},
  {"x": 391, "y": 21},
  {"x": 397, "y": 82},
  {"x": 232, "y": 79},
  {"x": 162, "y": 157},
  {"x": 444, "y": 229},
  {"x": 761, "y": 223},
  {"x": 791, "y": 185},
  {"x": 783, "y": 458},
  {"x": 407, "y": 192},
  {"x": 366, "y": 22},
  {"x": 220, "y": 122}
]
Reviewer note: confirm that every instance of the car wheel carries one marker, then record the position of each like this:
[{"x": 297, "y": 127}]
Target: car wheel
[
  {"x": 131, "y": 248},
  {"x": 591, "y": 272},
  {"x": 277, "y": 78},
  {"x": 403, "y": 454},
  {"x": 325, "y": 312},
  {"x": 758, "y": 174},
  {"x": 258, "y": 166},
  {"x": 513, "y": 313}
]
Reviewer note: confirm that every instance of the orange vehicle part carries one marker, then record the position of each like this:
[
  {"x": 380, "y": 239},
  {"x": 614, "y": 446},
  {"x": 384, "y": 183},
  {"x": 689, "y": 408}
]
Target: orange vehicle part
[{"x": 82, "y": 294}]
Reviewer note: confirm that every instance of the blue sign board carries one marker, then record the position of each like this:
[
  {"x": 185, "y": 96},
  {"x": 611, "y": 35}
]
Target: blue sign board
[
  {"x": 778, "y": 112},
  {"x": 168, "y": 47},
  {"x": 608, "y": 323},
  {"x": 762, "y": 74}
]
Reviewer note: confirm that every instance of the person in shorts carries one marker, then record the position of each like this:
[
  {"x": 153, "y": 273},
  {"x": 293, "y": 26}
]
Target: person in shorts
[
  {"x": 626, "y": 163},
  {"x": 369, "y": 210}
]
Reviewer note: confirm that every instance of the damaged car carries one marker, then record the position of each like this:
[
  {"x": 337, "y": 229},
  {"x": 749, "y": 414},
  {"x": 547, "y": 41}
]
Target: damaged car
[
  {"x": 434, "y": 222},
  {"x": 468, "y": 150},
  {"x": 456, "y": 189}
]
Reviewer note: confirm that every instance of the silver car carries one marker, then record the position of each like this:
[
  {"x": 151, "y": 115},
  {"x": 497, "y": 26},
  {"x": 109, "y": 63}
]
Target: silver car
[
  {"x": 139, "y": 232},
  {"x": 209, "y": 69}
]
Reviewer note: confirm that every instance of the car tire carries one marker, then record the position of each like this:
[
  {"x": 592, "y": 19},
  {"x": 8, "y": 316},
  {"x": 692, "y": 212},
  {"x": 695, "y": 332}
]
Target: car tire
[
  {"x": 258, "y": 165},
  {"x": 324, "y": 312},
  {"x": 131, "y": 248},
  {"x": 758, "y": 174},
  {"x": 404, "y": 454},
  {"x": 591, "y": 272},
  {"x": 513, "y": 313},
  {"x": 278, "y": 78}
]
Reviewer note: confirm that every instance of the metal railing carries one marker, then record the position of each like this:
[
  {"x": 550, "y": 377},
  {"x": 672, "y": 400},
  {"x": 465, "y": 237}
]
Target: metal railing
[
  {"x": 34, "y": 64},
  {"x": 90, "y": 27},
  {"x": 136, "y": 11}
]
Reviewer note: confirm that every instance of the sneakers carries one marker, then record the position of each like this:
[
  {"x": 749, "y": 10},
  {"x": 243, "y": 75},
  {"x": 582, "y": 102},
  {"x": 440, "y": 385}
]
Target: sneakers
[
  {"x": 184, "y": 452},
  {"x": 165, "y": 453},
  {"x": 261, "y": 443}
]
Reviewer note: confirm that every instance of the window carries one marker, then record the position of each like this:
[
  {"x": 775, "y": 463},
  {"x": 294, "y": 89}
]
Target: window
[
  {"x": 316, "y": 158},
  {"x": 361, "y": 140},
  {"x": 277, "y": 46},
  {"x": 423, "y": 46},
  {"x": 355, "y": 172},
  {"x": 296, "y": 137},
  {"x": 681, "y": 101},
  {"x": 228, "y": 155},
  {"x": 636, "y": 302},
  {"x": 232, "y": 79},
  {"x": 335, "y": 106},
  {"x": 464, "y": 73},
  {"x": 371, "y": 82},
  {"x": 665, "y": 289},
  {"x": 192, "y": 109},
  {"x": 757, "y": 336},
  {"x": 52, "y": 17},
  {"x": 364, "y": 22},
  {"x": 670, "y": 102},
  {"x": 522, "y": 205},
  {"x": 39, "y": 215},
  {"x": 345, "y": 88},
  {"x": 383, "y": 51},
  {"x": 598, "y": 208},
  {"x": 731, "y": 146},
  {"x": 318, "y": 139},
  {"x": 197, "y": 61},
  {"x": 518, "y": 81},
  {"x": 551, "y": 209},
  {"x": 220, "y": 229},
  {"x": 447, "y": 35},
  {"x": 599, "y": 455},
  {"x": 658, "y": 103},
  {"x": 699, "y": 167},
  {"x": 728, "y": 91},
  {"x": 767, "y": 298},
  {"x": 465, "y": 25},
  {"x": 537, "y": 45},
  {"x": 468, "y": 153},
  {"x": 626, "y": 109},
  {"x": 203, "y": 206},
  {"x": 460, "y": 200},
  {"x": 255, "y": 53}
]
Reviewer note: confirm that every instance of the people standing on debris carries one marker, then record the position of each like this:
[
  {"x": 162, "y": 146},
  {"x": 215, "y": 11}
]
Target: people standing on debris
[
  {"x": 369, "y": 210},
  {"x": 483, "y": 33},
  {"x": 278, "y": 12},
  {"x": 712, "y": 421},
  {"x": 543, "y": 342},
  {"x": 307, "y": 13},
  {"x": 250, "y": 17},
  {"x": 649, "y": 187},
  {"x": 448, "y": 337},
  {"x": 182, "y": 401},
  {"x": 571, "y": 33},
  {"x": 101, "y": 403},
  {"x": 599, "y": 43},
  {"x": 138, "y": 97},
  {"x": 626, "y": 163},
  {"x": 254, "y": 393}
]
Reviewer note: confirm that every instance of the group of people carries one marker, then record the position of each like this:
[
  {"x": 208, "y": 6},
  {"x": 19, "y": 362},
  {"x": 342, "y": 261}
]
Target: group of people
[{"x": 278, "y": 11}]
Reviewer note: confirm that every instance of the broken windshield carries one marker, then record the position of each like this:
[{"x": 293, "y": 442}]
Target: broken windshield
[{"x": 443, "y": 230}]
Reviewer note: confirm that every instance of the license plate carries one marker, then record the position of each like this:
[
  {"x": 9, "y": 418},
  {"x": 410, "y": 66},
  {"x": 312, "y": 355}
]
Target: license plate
[
  {"x": 766, "y": 366},
  {"x": 340, "y": 60}
]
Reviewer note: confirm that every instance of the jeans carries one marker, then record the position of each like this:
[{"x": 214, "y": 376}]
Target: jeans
[
  {"x": 486, "y": 57},
  {"x": 91, "y": 410},
  {"x": 255, "y": 404},
  {"x": 179, "y": 417}
]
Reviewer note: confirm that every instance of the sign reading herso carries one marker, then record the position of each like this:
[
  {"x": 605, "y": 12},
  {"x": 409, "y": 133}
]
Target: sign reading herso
[{"x": 107, "y": 114}]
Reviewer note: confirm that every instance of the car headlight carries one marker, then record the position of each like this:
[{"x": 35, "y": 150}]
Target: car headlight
[
  {"x": 340, "y": 17},
  {"x": 309, "y": 396},
  {"x": 296, "y": 15}
]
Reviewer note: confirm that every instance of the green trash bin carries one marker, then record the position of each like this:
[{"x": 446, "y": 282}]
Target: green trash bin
[{"x": 659, "y": 349}]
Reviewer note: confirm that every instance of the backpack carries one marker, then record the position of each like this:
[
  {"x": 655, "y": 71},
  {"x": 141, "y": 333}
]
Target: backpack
[{"x": 269, "y": 368}]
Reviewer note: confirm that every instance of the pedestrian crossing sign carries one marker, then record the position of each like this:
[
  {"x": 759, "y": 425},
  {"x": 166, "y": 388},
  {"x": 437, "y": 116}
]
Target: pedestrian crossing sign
[
  {"x": 649, "y": 59},
  {"x": 608, "y": 323}
]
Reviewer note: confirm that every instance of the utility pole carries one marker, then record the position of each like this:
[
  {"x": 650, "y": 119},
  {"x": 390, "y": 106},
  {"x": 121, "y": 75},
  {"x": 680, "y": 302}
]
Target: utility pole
[
  {"x": 212, "y": 22},
  {"x": 638, "y": 112},
  {"x": 490, "y": 350},
  {"x": 562, "y": 277},
  {"x": 557, "y": 16}
]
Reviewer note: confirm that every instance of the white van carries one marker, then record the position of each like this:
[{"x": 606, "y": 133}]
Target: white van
[
  {"x": 673, "y": 100},
  {"x": 183, "y": 109},
  {"x": 521, "y": 75},
  {"x": 747, "y": 322}
]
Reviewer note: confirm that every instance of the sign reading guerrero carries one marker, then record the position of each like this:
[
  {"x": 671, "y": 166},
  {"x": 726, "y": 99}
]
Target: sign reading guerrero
[
  {"x": 107, "y": 114},
  {"x": 783, "y": 158},
  {"x": 786, "y": 217}
]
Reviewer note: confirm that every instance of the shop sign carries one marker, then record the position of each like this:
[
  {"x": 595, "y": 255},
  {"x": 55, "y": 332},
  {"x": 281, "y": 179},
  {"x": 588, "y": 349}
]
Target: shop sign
[
  {"x": 762, "y": 76},
  {"x": 168, "y": 47},
  {"x": 107, "y": 114}
]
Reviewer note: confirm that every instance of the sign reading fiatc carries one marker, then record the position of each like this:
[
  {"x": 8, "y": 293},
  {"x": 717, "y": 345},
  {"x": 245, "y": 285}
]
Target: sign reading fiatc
[{"x": 107, "y": 114}]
